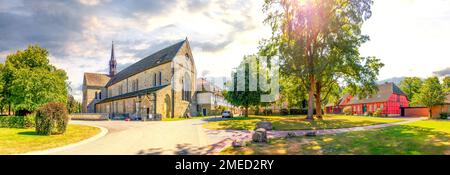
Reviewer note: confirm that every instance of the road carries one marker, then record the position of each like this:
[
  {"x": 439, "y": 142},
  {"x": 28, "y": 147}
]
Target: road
[{"x": 142, "y": 138}]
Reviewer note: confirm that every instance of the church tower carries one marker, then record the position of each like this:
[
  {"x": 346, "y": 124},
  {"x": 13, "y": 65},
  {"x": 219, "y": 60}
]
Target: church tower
[{"x": 112, "y": 63}]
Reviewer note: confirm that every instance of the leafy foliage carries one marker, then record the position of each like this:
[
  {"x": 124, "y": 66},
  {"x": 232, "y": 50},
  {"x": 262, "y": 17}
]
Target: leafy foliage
[
  {"x": 17, "y": 121},
  {"x": 244, "y": 97},
  {"x": 291, "y": 92},
  {"x": 318, "y": 42},
  {"x": 52, "y": 118},
  {"x": 347, "y": 110},
  {"x": 431, "y": 93},
  {"x": 73, "y": 106},
  {"x": 446, "y": 84},
  {"x": 411, "y": 87},
  {"x": 31, "y": 80},
  {"x": 3, "y": 102},
  {"x": 377, "y": 113}
]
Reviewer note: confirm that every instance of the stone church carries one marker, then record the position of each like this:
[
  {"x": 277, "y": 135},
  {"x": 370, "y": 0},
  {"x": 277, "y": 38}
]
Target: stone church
[{"x": 159, "y": 85}]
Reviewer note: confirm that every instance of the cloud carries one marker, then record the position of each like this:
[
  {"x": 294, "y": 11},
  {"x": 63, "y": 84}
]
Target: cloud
[
  {"x": 78, "y": 33},
  {"x": 197, "y": 5},
  {"x": 443, "y": 72}
]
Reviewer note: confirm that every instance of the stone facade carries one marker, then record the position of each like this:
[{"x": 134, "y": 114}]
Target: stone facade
[
  {"x": 165, "y": 86},
  {"x": 93, "y": 85}
]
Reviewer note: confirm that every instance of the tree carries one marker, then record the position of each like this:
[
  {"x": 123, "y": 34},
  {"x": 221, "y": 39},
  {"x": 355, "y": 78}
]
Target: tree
[
  {"x": 446, "y": 84},
  {"x": 431, "y": 94},
  {"x": 32, "y": 81},
  {"x": 2, "y": 87},
  {"x": 291, "y": 92},
  {"x": 318, "y": 42},
  {"x": 244, "y": 97},
  {"x": 73, "y": 106},
  {"x": 411, "y": 86}
]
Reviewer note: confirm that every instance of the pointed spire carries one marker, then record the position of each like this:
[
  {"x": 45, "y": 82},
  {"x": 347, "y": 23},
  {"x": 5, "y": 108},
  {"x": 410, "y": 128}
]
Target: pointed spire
[
  {"x": 112, "y": 51},
  {"x": 112, "y": 62}
]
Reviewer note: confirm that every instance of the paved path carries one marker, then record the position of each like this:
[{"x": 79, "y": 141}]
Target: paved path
[
  {"x": 162, "y": 137},
  {"x": 176, "y": 137}
]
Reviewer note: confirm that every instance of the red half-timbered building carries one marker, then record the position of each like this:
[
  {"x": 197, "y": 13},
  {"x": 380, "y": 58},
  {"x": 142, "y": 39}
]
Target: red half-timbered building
[{"x": 389, "y": 99}]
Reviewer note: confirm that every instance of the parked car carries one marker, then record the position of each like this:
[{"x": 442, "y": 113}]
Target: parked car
[{"x": 227, "y": 114}]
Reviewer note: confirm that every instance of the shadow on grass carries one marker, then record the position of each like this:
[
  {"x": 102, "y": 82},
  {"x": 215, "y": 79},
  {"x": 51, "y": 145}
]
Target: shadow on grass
[
  {"x": 181, "y": 149},
  {"x": 33, "y": 133},
  {"x": 395, "y": 140},
  {"x": 320, "y": 124},
  {"x": 30, "y": 133}
]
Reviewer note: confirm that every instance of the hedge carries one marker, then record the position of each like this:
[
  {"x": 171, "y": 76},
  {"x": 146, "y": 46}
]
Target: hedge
[{"x": 17, "y": 121}]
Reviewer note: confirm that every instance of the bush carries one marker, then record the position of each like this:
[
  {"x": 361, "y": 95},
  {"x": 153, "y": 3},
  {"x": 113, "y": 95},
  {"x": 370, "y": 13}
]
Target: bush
[
  {"x": 52, "y": 118},
  {"x": 17, "y": 121},
  {"x": 267, "y": 111},
  {"x": 284, "y": 111},
  {"x": 347, "y": 110},
  {"x": 444, "y": 115},
  {"x": 377, "y": 113}
]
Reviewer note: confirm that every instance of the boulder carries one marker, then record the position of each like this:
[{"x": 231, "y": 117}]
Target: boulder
[
  {"x": 260, "y": 135},
  {"x": 310, "y": 134},
  {"x": 264, "y": 124},
  {"x": 290, "y": 135},
  {"x": 237, "y": 143}
]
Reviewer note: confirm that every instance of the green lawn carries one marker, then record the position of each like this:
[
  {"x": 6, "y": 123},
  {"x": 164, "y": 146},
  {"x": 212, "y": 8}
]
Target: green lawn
[
  {"x": 14, "y": 141},
  {"x": 417, "y": 138},
  {"x": 298, "y": 122}
]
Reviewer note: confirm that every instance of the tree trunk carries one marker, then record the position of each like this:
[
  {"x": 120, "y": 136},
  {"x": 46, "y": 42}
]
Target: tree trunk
[
  {"x": 431, "y": 112},
  {"x": 246, "y": 111},
  {"x": 318, "y": 102},
  {"x": 310, "y": 115},
  {"x": 9, "y": 109}
]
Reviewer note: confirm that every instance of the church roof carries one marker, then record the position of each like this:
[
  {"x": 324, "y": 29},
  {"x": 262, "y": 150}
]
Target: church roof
[
  {"x": 133, "y": 94},
  {"x": 96, "y": 79},
  {"x": 160, "y": 57}
]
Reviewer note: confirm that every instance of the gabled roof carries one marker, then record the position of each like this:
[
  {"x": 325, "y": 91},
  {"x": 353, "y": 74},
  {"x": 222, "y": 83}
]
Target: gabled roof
[
  {"x": 340, "y": 102},
  {"x": 205, "y": 85},
  {"x": 384, "y": 92},
  {"x": 132, "y": 94},
  {"x": 96, "y": 79},
  {"x": 447, "y": 99},
  {"x": 160, "y": 57}
]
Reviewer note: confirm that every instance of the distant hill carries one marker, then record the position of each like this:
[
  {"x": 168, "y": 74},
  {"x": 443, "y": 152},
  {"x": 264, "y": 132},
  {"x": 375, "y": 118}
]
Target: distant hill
[{"x": 395, "y": 80}]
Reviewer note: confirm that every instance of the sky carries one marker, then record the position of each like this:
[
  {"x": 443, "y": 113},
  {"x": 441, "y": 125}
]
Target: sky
[{"x": 409, "y": 36}]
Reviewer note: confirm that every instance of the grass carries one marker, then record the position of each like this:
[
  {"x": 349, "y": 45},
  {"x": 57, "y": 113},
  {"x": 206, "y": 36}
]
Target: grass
[
  {"x": 297, "y": 122},
  {"x": 430, "y": 137},
  {"x": 15, "y": 141}
]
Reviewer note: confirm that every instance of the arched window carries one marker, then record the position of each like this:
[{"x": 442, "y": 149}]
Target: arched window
[
  {"x": 186, "y": 90},
  {"x": 154, "y": 79},
  {"x": 96, "y": 95},
  {"x": 160, "y": 78},
  {"x": 100, "y": 95}
]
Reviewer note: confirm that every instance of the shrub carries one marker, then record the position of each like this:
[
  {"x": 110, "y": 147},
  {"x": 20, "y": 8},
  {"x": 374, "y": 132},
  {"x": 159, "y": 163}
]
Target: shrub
[
  {"x": 52, "y": 118},
  {"x": 444, "y": 115},
  {"x": 377, "y": 113},
  {"x": 267, "y": 111},
  {"x": 284, "y": 111},
  {"x": 17, "y": 121},
  {"x": 347, "y": 110}
]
